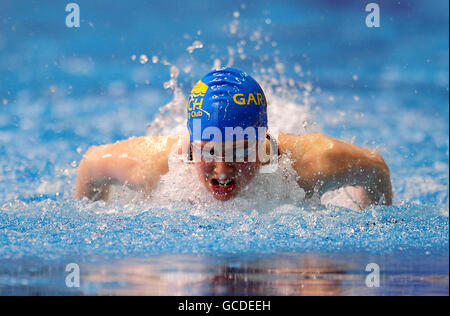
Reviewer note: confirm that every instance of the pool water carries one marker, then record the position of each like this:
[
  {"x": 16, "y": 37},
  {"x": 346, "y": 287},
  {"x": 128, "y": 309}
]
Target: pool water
[{"x": 64, "y": 90}]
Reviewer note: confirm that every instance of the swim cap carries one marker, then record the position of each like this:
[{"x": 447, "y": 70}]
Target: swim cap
[{"x": 224, "y": 102}]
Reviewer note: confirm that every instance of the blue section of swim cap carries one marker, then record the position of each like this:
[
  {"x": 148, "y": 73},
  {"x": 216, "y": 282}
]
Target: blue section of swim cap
[{"x": 223, "y": 100}]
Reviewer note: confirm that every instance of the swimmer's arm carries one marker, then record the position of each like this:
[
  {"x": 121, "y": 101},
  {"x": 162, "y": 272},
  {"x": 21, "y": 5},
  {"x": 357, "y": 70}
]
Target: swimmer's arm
[
  {"x": 136, "y": 162},
  {"x": 324, "y": 163}
]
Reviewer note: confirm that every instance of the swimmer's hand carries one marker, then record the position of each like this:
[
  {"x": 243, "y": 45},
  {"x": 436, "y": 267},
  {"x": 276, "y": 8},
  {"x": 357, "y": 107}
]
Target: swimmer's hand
[
  {"x": 324, "y": 163},
  {"x": 136, "y": 162}
]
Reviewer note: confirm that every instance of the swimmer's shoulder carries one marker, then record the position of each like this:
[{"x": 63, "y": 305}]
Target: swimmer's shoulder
[
  {"x": 316, "y": 152},
  {"x": 159, "y": 143},
  {"x": 140, "y": 148},
  {"x": 153, "y": 146},
  {"x": 303, "y": 144}
]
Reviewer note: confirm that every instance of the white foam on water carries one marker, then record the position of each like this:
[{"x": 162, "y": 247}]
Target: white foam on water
[{"x": 180, "y": 189}]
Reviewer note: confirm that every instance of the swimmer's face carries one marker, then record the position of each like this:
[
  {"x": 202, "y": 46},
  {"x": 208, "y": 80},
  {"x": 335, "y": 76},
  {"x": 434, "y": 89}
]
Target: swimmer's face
[{"x": 226, "y": 174}]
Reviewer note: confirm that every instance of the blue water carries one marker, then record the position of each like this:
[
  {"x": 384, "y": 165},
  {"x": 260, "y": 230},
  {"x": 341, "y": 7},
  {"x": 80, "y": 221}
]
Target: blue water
[{"x": 63, "y": 90}]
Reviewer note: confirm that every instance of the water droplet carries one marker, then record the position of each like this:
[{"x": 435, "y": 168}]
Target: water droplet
[
  {"x": 133, "y": 57},
  {"x": 194, "y": 46},
  {"x": 143, "y": 59},
  {"x": 234, "y": 27},
  {"x": 187, "y": 69},
  {"x": 217, "y": 63},
  {"x": 279, "y": 67}
]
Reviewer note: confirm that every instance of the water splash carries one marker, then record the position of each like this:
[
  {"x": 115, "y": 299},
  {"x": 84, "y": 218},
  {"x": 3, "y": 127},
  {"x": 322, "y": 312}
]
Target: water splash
[
  {"x": 55, "y": 229},
  {"x": 179, "y": 188}
]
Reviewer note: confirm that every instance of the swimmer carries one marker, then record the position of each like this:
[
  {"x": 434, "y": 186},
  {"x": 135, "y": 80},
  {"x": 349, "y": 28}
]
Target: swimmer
[{"x": 229, "y": 143}]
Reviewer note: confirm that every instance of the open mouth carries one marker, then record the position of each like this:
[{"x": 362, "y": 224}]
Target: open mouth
[{"x": 223, "y": 187}]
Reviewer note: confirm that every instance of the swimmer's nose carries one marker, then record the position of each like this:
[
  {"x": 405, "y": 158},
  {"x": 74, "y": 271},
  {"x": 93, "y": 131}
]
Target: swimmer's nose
[{"x": 222, "y": 167}]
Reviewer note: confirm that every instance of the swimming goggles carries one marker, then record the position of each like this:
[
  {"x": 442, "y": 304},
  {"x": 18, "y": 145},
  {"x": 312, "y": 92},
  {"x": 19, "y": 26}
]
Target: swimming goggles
[{"x": 213, "y": 151}]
